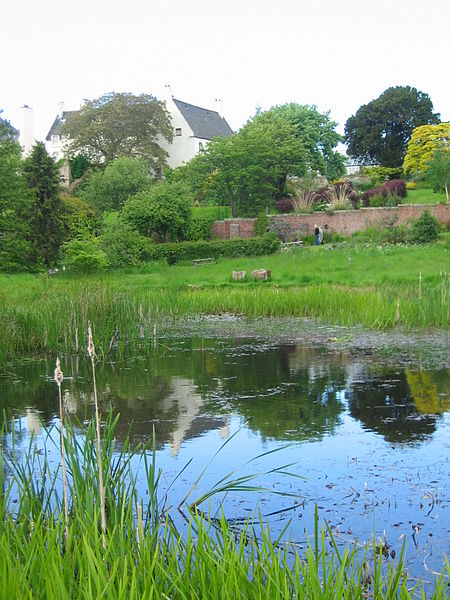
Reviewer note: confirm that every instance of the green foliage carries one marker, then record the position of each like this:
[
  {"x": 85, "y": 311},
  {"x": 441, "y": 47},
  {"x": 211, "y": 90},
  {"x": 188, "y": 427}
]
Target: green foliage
[
  {"x": 426, "y": 229},
  {"x": 199, "y": 228},
  {"x": 379, "y": 175},
  {"x": 249, "y": 169},
  {"x": 123, "y": 245},
  {"x": 85, "y": 254},
  {"x": 390, "y": 200},
  {"x": 117, "y": 125},
  {"x": 46, "y": 218},
  {"x": 163, "y": 212},
  {"x": 261, "y": 224},
  {"x": 111, "y": 188},
  {"x": 14, "y": 206},
  {"x": 438, "y": 171},
  {"x": 79, "y": 216},
  {"x": 425, "y": 141},
  {"x": 381, "y": 130},
  {"x": 174, "y": 253},
  {"x": 79, "y": 165}
]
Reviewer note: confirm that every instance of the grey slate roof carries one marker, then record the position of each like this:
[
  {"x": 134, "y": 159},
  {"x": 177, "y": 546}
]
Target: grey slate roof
[
  {"x": 206, "y": 124},
  {"x": 13, "y": 133},
  {"x": 58, "y": 122}
]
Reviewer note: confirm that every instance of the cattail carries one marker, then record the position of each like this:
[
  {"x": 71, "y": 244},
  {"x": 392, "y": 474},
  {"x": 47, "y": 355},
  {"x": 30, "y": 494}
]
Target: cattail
[
  {"x": 58, "y": 373},
  {"x": 59, "y": 376},
  {"x": 91, "y": 348},
  {"x": 91, "y": 352}
]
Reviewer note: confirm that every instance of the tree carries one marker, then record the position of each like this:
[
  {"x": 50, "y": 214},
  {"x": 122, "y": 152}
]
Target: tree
[
  {"x": 117, "y": 125},
  {"x": 108, "y": 189},
  {"x": 317, "y": 136},
  {"x": 14, "y": 203},
  {"x": 438, "y": 170},
  {"x": 249, "y": 170},
  {"x": 380, "y": 131},
  {"x": 164, "y": 211},
  {"x": 425, "y": 141},
  {"x": 46, "y": 216}
]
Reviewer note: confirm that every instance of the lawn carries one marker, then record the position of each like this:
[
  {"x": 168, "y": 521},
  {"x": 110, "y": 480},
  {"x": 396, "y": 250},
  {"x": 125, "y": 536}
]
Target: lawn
[{"x": 424, "y": 196}]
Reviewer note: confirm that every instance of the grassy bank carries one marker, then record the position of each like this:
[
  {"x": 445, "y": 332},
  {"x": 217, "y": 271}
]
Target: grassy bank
[
  {"x": 424, "y": 196},
  {"x": 375, "y": 286},
  {"x": 47, "y": 551}
]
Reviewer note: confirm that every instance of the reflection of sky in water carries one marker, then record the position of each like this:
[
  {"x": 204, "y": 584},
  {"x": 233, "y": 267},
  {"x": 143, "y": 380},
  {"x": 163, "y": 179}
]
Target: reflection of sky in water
[{"x": 371, "y": 442}]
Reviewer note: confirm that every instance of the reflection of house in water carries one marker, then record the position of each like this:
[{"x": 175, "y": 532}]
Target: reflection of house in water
[
  {"x": 189, "y": 422},
  {"x": 34, "y": 423}
]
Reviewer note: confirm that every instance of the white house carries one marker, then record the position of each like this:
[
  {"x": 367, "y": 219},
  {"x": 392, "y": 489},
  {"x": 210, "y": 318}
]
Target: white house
[{"x": 193, "y": 127}]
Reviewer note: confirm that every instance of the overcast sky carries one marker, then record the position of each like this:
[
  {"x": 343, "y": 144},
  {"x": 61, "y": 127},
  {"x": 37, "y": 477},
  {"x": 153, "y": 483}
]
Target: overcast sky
[{"x": 248, "y": 53}]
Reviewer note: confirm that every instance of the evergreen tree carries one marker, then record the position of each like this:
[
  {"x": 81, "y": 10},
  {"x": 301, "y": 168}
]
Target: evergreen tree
[
  {"x": 47, "y": 210},
  {"x": 14, "y": 204}
]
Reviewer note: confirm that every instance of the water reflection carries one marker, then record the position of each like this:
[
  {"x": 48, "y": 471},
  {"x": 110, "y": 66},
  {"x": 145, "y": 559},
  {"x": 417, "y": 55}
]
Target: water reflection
[{"x": 281, "y": 392}]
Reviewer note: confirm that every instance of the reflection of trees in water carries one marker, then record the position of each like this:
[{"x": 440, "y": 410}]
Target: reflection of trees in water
[
  {"x": 283, "y": 392},
  {"x": 382, "y": 401}
]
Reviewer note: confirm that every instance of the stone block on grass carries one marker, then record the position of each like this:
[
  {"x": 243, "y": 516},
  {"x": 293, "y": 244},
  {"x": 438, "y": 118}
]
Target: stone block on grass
[
  {"x": 261, "y": 274},
  {"x": 239, "y": 275}
]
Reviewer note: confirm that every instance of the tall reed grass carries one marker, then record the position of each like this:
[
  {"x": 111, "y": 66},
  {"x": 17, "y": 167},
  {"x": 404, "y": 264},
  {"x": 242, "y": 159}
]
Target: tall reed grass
[{"x": 54, "y": 322}]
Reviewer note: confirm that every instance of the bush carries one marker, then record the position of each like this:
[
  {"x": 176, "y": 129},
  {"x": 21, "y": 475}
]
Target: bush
[
  {"x": 123, "y": 245},
  {"x": 122, "y": 178},
  {"x": 261, "y": 224},
  {"x": 173, "y": 252},
  {"x": 411, "y": 185},
  {"x": 378, "y": 175},
  {"x": 426, "y": 229},
  {"x": 199, "y": 228},
  {"x": 284, "y": 206},
  {"x": 85, "y": 254},
  {"x": 395, "y": 187},
  {"x": 163, "y": 212}
]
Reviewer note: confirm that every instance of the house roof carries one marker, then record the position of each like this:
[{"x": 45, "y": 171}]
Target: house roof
[
  {"x": 58, "y": 122},
  {"x": 12, "y": 131},
  {"x": 205, "y": 124}
]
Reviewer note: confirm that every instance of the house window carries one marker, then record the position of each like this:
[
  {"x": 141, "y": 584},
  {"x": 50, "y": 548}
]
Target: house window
[
  {"x": 56, "y": 138},
  {"x": 178, "y": 131}
]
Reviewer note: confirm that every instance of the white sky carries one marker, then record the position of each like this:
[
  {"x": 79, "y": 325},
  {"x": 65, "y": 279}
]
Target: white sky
[{"x": 249, "y": 53}]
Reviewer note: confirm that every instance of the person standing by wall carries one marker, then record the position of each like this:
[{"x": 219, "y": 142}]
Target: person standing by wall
[
  {"x": 320, "y": 236},
  {"x": 316, "y": 235}
]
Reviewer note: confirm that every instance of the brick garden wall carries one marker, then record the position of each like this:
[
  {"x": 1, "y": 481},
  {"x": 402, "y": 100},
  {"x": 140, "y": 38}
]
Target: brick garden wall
[{"x": 344, "y": 221}]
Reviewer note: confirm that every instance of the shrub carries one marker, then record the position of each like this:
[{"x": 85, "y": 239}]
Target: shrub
[
  {"x": 109, "y": 189},
  {"x": 163, "y": 212},
  {"x": 176, "y": 252},
  {"x": 199, "y": 228},
  {"x": 378, "y": 175},
  {"x": 85, "y": 254},
  {"x": 261, "y": 224},
  {"x": 425, "y": 229},
  {"x": 411, "y": 185},
  {"x": 123, "y": 245},
  {"x": 395, "y": 187},
  {"x": 304, "y": 201},
  {"x": 284, "y": 206}
]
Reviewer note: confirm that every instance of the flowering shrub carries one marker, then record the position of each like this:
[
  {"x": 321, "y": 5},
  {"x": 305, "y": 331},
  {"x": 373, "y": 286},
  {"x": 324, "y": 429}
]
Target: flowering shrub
[
  {"x": 395, "y": 187},
  {"x": 284, "y": 206}
]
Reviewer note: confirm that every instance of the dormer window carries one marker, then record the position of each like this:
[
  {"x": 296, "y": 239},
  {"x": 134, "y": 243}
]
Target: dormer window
[{"x": 178, "y": 132}]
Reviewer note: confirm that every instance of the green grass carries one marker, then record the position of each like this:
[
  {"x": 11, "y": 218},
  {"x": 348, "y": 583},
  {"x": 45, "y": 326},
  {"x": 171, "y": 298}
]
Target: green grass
[
  {"x": 374, "y": 286},
  {"x": 424, "y": 196},
  {"x": 144, "y": 555}
]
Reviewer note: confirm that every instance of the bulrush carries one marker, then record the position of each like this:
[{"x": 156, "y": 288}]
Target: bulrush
[
  {"x": 91, "y": 352},
  {"x": 59, "y": 379}
]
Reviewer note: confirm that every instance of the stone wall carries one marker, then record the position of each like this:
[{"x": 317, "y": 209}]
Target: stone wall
[{"x": 344, "y": 221}]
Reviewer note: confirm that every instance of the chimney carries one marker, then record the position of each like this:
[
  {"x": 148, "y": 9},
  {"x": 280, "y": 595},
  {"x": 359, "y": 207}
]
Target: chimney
[
  {"x": 27, "y": 139},
  {"x": 60, "y": 109}
]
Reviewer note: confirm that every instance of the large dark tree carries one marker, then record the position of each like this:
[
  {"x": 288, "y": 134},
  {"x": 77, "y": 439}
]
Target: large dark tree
[
  {"x": 380, "y": 130},
  {"x": 14, "y": 204},
  {"x": 47, "y": 210},
  {"x": 117, "y": 125}
]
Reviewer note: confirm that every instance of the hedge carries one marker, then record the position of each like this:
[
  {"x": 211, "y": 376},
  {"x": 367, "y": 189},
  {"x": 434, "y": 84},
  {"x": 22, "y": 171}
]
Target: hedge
[
  {"x": 395, "y": 187},
  {"x": 185, "y": 251}
]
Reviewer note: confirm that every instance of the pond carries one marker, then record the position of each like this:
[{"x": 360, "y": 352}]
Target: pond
[{"x": 366, "y": 435}]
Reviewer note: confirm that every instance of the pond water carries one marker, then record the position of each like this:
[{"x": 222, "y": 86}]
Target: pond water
[{"x": 369, "y": 438}]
